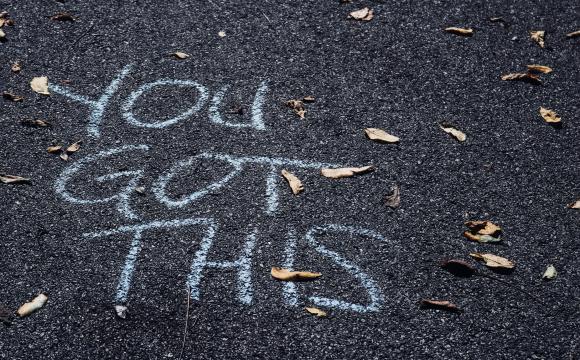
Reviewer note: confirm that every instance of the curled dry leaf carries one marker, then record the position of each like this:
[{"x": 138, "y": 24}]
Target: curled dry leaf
[
  {"x": 297, "y": 106},
  {"x": 457, "y": 134},
  {"x": 16, "y": 67},
  {"x": 549, "y": 115},
  {"x": 12, "y": 97},
  {"x": 294, "y": 182},
  {"x": 538, "y": 37},
  {"x": 346, "y": 172},
  {"x": 180, "y": 55},
  {"x": 287, "y": 275},
  {"x": 40, "y": 85},
  {"x": 481, "y": 238},
  {"x": 573, "y": 34},
  {"x": 527, "y": 77},
  {"x": 364, "y": 14},
  {"x": 121, "y": 311},
  {"x": 493, "y": 261},
  {"x": 62, "y": 16},
  {"x": 540, "y": 68},
  {"x": 458, "y": 267},
  {"x": 460, "y": 31},
  {"x": 574, "y": 205},
  {"x": 394, "y": 199},
  {"x": 32, "y": 306},
  {"x": 35, "y": 123},
  {"x": 74, "y": 147},
  {"x": 380, "y": 135},
  {"x": 13, "y": 179},
  {"x": 483, "y": 227},
  {"x": 316, "y": 311},
  {"x": 550, "y": 273},
  {"x": 54, "y": 149},
  {"x": 438, "y": 304}
]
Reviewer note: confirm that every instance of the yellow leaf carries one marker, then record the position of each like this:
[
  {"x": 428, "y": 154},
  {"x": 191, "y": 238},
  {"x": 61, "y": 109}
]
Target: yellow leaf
[
  {"x": 538, "y": 37},
  {"x": 540, "y": 68},
  {"x": 364, "y": 14},
  {"x": 346, "y": 172},
  {"x": 493, "y": 261},
  {"x": 40, "y": 85},
  {"x": 549, "y": 115},
  {"x": 459, "y": 135},
  {"x": 460, "y": 31},
  {"x": 380, "y": 135},
  {"x": 293, "y": 181},
  {"x": 287, "y": 275},
  {"x": 180, "y": 55},
  {"x": 32, "y": 306},
  {"x": 316, "y": 311}
]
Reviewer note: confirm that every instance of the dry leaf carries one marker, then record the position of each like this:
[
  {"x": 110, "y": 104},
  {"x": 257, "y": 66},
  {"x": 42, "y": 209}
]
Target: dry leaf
[
  {"x": 380, "y": 135},
  {"x": 40, "y": 85},
  {"x": 364, "y": 14},
  {"x": 54, "y": 149},
  {"x": 222, "y": 34},
  {"x": 32, "y": 306},
  {"x": 2, "y": 34},
  {"x": 13, "y": 179},
  {"x": 538, "y": 37},
  {"x": 573, "y": 34},
  {"x": 483, "y": 227},
  {"x": 316, "y": 311},
  {"x": 460, "y": 31},
  {"x": 540, "y": 68},
  {"x": 438, "y": 304},
  {"x": 346, "y": 172},
  {"x": 550, "y": 273},
  {"x": 457, "y": 134},
  {"x": 16, "y": 67},
  {"x": 549, "y": 115},
  {"x": 308, "y": 99},
  {"x": 62, "y": 16},
  {"x": 74, "y": 147},
  {"x": 527, "y": 77},
  {"x": 35, "y": 123},
  {"x": 458, "y": 267},
  {"x": 297, "y": 106},
  {"x": 140, "y": 190},
  {"x": 574, "y": 205},
  {"x": 481, "y": 238},
  {"x": 12, "y": 97},
  {"x": 493, "y": 261},
  {"x": 301, "y": 113},
  {"x": 180, "y": 55},
  {"x": 287, "y": 275},
  {"x": 394, "y": 199},
  {"x": 121, "y": 311},
  {"x": 294, "y": 182},
  {"x": 64, "y": 156}
]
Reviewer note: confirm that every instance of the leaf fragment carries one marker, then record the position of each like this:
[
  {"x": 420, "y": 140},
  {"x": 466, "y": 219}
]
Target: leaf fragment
[
  {"x": 35, "y": 123},
  {"x": 294, "y": 182},
  {"x": 121, "y": 311},
  {"x": 180, "y": 55},
  {"x": 13, "y": 179},
  {"x": 54, "y": 149},
  {"x": 12, "y": 97},
  {"x": 451, "y": 130},
  {"x": 309, "y": 99},
  {"x": 380, "y": 135},
  {"x": 540, "y": 68},
  {"x": 481, "y": 238},
  {"x": 222, "y": 34},
  {"x": 16, "y": 67},
  {"x": 573, "y": 34},
  {"x": 549, "y": 116},
  {"x": 316, "y": 311},
  {"x": 438, "y": 304},
  {"x": 394, "y": 199},
  {"x": 40, "y": 85},
  {"x": 460, "y": 31},
  {"x": 64, "y": 156},
  {"x": 574, "y": 205},
  {"x": 287, "y": 275},
  {"x": 483, "y": 227},
  {"x": 297, "y": 106},
  {"x": 364, "y": 14},
  {"x": 550, "y": 273},
  {"x": 526, "y": 77},
  {"x": 458, "y": 267},
  {"x": 538, "y": 37},
  {"x": 493, "y": 261},
  {"x": 74, "y": 147},
  {"x": 62, "y": 16},
  {"x": 2, "y": 34},
  {"x": 30, "y": 307},
  {"x": 346, "y": 172}
]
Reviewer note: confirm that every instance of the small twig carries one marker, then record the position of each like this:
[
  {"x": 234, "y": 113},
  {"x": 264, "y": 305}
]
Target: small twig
[{"x": 186, "y": 321}]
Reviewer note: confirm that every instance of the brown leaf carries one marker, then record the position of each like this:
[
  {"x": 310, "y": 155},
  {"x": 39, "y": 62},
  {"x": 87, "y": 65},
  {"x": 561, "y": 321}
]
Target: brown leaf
[
  {"x": 74, "y": 147},
  {"x": 293, "y": 181},
  {"x": 364, "y": 14},
  {"x": 574, "y": 205},
  {"x": 481, "y": 238},
  {"x": 493, "y": 261},
  {"x": 394, "y": 199},
  {"x": 62, "y": 16},
  {"x": 380, "y": 135},
  {"x": 527, "y": 77},
  {"x": 460, "y": 31},
  {"x": 538, "y": 37},
  {"x": 297, "y": 106},
  {"x": 12, "y": 97},
  {"x": 316, "y": 311},
  {"x": 287, "y": 275},
  {"x": 458, "y": 267},
  {"x": 540, "y": 68},
  {"x": 180, "y": 55},
  {"x": 40, "y": 85},
  {"x": 32, "y": 306},
  {"x": 438, "y": 304},
  {"x": 483, "y": 227},
  {"x": 54, "y": 149},
  {"x": 13, "y": 179},
  {"x": 573, "y": 34},
  {"x": 308, "y": 99},
  {"x": 549, "y": 115},
  {"x": 35, "y": 123},
  {"x": 457, "y": 134},
  {"x": 346, "y": 172},
  {"x": 16, "y": 67}
]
